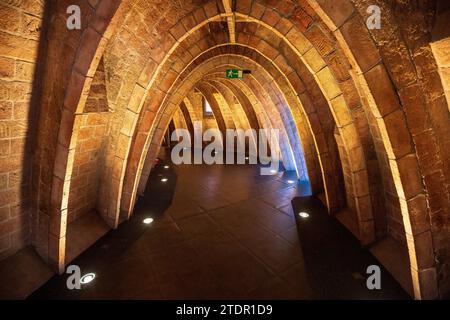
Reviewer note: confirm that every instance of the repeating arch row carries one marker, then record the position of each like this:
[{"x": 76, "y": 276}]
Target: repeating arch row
[{"x": 348, "y": 108}]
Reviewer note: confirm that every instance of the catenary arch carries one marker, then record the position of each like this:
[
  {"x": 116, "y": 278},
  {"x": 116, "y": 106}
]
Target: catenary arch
[
  {"x": 118, "y": 161},
  {"x": 360, "y": 173},
  {"x": 370, "y": 78},
  {"x": 155, "y": 144},
  {"x": 255, "y": 98},
  {"x": 241, "y": 119}
]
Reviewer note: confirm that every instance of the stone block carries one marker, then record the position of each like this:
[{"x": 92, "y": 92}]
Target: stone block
[{"x": 360, "y": 43}]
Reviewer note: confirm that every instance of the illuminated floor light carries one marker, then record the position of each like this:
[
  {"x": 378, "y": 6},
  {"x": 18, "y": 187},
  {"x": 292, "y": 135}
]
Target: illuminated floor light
[
  {"x": 303, "y": 214},
  {"x": 273, "y": 171},
  {"x": 164, "y": 179},
  {"x": 246, "y": 158},
  {"x": 166, "y": 167},
  {"x": 147, "y": 220},
  {"x": 291, "y": 181},
  {"x": 87, "y": 278}
]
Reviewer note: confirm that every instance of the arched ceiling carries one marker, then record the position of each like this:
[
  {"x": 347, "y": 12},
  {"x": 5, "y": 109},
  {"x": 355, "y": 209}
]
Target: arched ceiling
[{"x": 331, "y": 86}]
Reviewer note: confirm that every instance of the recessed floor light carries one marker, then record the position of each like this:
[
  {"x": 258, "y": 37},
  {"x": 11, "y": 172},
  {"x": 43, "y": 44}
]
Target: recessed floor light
[
  {"x": 303, "y": 214},
  {"x": 164, "y": 179},
  {"x": 291, "y": 181},
  {"x": 147, "y": 220},
  {"x": 87, "y": 278},
  {"x": 246, "y": 158},
  {"x": 166, "y": 167},
  {"x": 273, "y": 171}
]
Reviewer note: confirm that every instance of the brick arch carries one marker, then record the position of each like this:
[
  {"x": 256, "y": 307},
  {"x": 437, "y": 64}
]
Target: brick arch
[
  {"x": 91, "y": 45},
  {"x": 367, "y": 215},
  {"x": 190, "y": 108},
  {"x": 137, "y": 91},
  {"x": 276, "y": 122},
  {"x": 245, "y": 92},
  {"x": 257, "y": 90},
  {"x": 240, "y": 118},
  {"x": 279, "y": 116},
  {"x": 355, "y": 152},
  {"x": 223, "y": 105},
  {"x": 414, "y": 193},
  {"x": 247, "y": 113},
  {"x": 119, "y": 167},
  {"x": 95, "y": 36},
  {"x": 254, "y": 110},
  {"x": 155, "y": 145},
  {"x": 178, "y": 120},
  {"x": 155, "y": 76},
  {"x": 324, "y": 75},
  {"x": 188, "y": 117},
  {"x": 404, "y": 105},
  {"x": 218, "y": 114},
  {"x": 366, "y": 56},
  {"x": 243, "y": 114},
  {"x": 116, "y": 170},
  {"x": 384, "y": 75},
  {"x": 422, "y": 267}
]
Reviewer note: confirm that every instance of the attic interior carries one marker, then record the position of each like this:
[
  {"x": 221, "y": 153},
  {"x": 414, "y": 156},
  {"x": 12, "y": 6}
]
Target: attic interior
[{"x": 92, "y": 93}]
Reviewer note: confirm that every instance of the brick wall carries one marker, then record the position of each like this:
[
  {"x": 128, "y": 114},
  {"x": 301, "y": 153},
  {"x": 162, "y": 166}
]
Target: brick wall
[
  {"x": 225, "y": 110},
  {"x": 89, "y": 158},
  {"x": 196, "y": 100},
  {"x": 97, "y": 100},
  {"x": 20, "y": 23},
  {"x": 93, "y": 130}
]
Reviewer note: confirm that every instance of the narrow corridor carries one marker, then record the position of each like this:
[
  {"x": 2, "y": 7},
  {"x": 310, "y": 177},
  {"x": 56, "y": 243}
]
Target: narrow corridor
[{"x": 353, "y": 94}]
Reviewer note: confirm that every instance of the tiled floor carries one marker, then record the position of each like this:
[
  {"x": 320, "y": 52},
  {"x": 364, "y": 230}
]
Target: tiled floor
[
  {"x": 83, "y": 233},
  {"x": 21, "y": 274},
  {"x": 222, "y": 237},
  {"x": 220, "y": 232}
]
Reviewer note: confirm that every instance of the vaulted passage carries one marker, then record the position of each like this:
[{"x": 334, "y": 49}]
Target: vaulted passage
[{"x": 354, "y": 95}]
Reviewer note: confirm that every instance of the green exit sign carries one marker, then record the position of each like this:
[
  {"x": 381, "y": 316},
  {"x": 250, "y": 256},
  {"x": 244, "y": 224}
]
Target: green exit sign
[{"x": 234, "y": 73}]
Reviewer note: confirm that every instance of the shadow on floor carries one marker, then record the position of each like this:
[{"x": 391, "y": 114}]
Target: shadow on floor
[
  {"x": 109, "y": 248},
  {"x": 21, "y": 274},
  {"x": 334, "y": 259}
]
